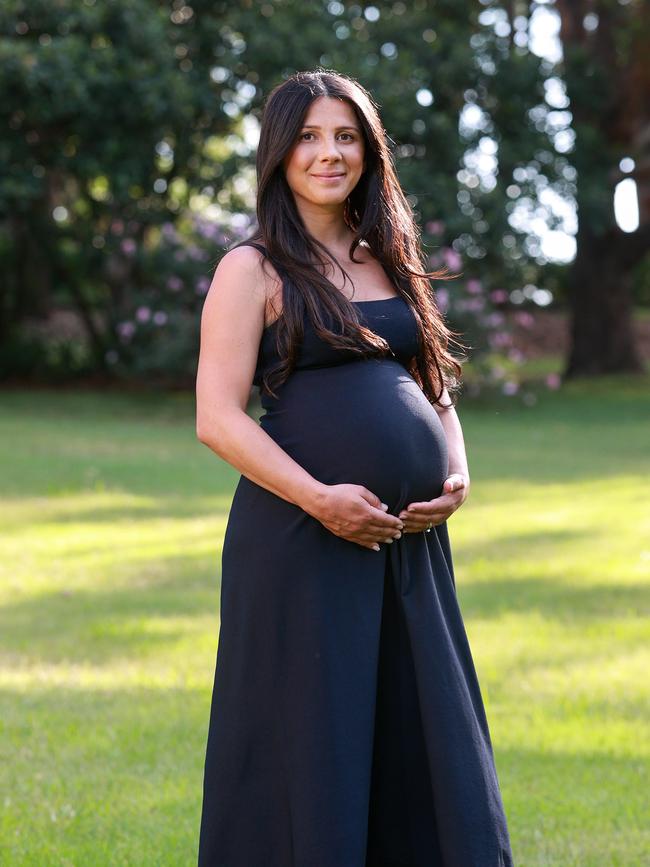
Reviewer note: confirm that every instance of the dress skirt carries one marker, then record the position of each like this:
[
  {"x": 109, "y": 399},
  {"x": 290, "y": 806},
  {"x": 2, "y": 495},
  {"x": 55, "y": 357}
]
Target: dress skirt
[{"x": 402, "y": 830}]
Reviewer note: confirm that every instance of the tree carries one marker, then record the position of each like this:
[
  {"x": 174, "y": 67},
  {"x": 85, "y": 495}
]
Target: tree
[
  {"x": 105, "y": 109},
  {"x": 607, "y": 76}
]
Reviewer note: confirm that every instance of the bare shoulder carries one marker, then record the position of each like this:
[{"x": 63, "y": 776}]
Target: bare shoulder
[
  {"x": 241, "y": 266},
  {"x": 246, "y": 271}
]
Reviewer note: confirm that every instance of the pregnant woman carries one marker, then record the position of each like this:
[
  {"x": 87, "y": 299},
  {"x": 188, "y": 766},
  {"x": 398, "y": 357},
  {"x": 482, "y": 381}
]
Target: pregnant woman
[{"x": 347, "y": 727}]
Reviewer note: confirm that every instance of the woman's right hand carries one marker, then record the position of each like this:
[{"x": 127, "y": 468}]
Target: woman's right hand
[{"x": 356, "y": 514}]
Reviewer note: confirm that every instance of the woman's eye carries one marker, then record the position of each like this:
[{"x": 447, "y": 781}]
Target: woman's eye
[{"x": 349, "y": 135}]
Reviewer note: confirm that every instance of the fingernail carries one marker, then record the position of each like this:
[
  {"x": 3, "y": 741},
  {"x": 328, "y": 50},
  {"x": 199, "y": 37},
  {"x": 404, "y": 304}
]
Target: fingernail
[
  {"x": 384, "y": 506},
  {"x": 375, "y": 547}
]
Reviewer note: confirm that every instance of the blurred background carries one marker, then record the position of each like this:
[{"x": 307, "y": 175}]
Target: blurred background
[{"x": 521, "y": 135}]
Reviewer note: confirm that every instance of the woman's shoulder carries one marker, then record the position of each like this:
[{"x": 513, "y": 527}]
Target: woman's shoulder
[
  {"x": 248, "y": 263},
  {"x": 245, "y": 257}
]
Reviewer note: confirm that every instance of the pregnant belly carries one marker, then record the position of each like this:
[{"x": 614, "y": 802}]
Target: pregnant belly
[{"x": 367, "y": 423}]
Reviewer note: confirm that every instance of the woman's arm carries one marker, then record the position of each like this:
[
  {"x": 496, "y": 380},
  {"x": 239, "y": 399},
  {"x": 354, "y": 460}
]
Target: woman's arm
[
  {"x": 232, "y": 323},
  {"x": 455, "y": 440}
]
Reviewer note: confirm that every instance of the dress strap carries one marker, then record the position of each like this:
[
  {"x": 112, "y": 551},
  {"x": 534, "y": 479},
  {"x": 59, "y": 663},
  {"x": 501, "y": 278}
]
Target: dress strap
[{"x": 259, "y": 247}]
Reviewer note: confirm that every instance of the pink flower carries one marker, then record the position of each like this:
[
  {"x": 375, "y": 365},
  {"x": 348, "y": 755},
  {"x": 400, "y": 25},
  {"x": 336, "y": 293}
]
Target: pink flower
[
  {"x": 175, "y": 284},
  {"x": 435, "y": 227},
  {"x": 143, "y": 314},
  {"x": 208, "y": 230},
  {"x": 128, "y": 246},
  {"x": 202, "y": 285},
  {"x": 510, "y": 387},
  {"x": 474, "y": 287},
  {"x": 474, "y": 305},
  {"x": 553, "y": 380},
  {"x": 494, "y": 319},
  {"x": 524, "y": 319},
  {"x": 442, "y": 299},
  {"x": 126, "y": 330},
  {"x": 451, "y": 258},
  {"x": 498, "y": 296},
  {"x": 159, "y": 317},
  {"x": 500, "y": 339},
  {"x": 196, "y": 253}
]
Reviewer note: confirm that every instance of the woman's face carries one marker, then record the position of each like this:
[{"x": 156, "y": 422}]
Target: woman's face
[{"x": 327, "y": 160}]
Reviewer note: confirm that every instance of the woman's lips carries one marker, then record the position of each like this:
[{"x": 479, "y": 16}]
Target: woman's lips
[{"x": 329, "y": 177}]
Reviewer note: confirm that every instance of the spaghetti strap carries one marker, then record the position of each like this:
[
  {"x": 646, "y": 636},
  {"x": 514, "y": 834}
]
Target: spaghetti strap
[{"x": 257, "y": 246}]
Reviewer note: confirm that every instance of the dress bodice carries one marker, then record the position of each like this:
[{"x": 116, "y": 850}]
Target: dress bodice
[{"x": 390, "y": 318}]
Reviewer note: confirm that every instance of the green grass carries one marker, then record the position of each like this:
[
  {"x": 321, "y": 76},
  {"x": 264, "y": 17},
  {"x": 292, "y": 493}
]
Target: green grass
[{"x": 111, "y": 537}]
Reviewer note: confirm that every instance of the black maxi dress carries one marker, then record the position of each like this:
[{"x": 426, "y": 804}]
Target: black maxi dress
[{"x": 347, "y": 727}]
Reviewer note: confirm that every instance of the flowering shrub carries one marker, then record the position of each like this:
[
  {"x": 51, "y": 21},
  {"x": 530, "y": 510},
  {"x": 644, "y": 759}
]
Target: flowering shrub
[
  {"x": 155, "y": 329},
  {"x": 481, "y": 316}
]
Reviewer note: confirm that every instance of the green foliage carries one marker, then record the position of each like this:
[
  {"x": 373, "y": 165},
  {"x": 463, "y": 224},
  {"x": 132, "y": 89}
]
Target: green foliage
[
  {"x": 106, "y": 108},
  {"x": 129, "y": 113}
]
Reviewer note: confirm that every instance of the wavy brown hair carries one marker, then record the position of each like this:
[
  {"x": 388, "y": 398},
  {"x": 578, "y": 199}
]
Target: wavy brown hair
[{"x": 376, "y": 211}]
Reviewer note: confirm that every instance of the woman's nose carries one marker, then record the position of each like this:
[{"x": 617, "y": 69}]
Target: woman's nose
[{"x": 329, "y": 148}]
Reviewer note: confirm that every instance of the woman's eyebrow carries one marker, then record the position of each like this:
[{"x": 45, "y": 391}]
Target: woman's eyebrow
[{"x": 338, "y": 128}]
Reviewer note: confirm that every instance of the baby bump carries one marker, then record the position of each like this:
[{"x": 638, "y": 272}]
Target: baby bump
[{"x": 366, "y": 422}]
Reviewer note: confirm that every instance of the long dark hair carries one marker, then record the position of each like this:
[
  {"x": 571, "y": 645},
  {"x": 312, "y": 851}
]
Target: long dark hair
[{"x": 376, "y": 211}]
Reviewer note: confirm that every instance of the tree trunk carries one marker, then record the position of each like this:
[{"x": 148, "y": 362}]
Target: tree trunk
[
  {"x": 607, "y": 81},
  {"x": 33, "y": 281},
  {"x": 602, "y": 337}
]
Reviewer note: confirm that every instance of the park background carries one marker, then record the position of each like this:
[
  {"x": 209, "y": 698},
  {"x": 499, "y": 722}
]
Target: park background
[{"x": 521, "y": 135}]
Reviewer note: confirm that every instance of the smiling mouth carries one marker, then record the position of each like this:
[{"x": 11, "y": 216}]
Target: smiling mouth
[{"x": 338, "y": 175}]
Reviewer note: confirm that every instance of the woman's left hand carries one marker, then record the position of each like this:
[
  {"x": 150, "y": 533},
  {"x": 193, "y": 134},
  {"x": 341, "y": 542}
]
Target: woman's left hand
[{"x": 418, "y": 516}]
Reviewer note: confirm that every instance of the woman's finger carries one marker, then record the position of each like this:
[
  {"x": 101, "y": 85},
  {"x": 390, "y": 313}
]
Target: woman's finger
[
  {"x": 424, "y": 511},
  {"x": 454, "y": 482},
  {"x": 422, "y": 521}
]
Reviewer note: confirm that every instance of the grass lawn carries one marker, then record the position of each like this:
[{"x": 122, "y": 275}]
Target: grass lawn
[{"x": 111, "y": 538}]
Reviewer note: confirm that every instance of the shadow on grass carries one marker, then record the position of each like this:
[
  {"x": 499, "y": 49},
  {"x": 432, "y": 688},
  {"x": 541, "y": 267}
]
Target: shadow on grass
[
  {"x": 141, "y": 616},
  {"x": 133, "y": 621},
  {"x": 554, "y": 600}
]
